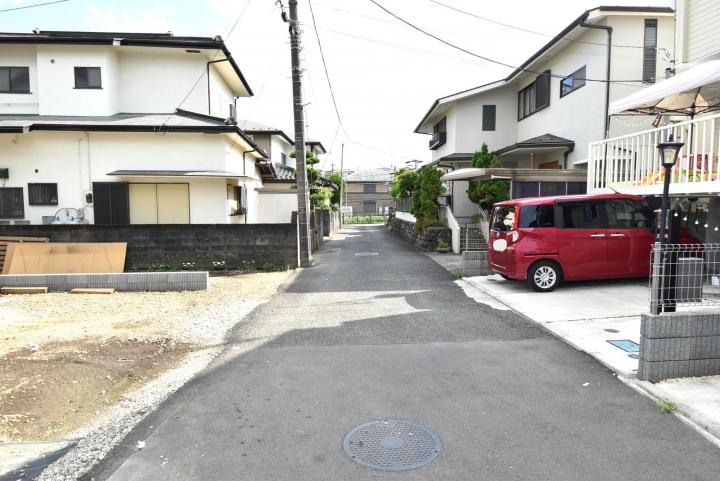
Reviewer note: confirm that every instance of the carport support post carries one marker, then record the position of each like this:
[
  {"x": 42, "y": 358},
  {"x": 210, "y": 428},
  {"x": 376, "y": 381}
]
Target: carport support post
[{"x": 304, "y": 249}]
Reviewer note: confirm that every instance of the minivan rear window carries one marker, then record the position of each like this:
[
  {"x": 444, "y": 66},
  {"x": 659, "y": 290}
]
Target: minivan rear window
[
  {"x": 503, "y": 218},
  {"x": 535, "y": 216}
]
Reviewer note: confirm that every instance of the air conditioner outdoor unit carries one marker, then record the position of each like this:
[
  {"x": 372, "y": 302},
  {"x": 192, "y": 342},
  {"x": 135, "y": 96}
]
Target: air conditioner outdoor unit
[{"x": 4, "y": 173}]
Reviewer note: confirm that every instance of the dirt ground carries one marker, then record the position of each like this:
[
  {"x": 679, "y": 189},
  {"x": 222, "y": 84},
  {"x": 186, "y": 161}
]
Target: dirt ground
[{"x": 65, "y": 359}]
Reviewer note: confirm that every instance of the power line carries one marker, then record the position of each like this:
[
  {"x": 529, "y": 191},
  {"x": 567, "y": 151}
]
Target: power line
[
  {"x": 490, "y": 60},
  {"x": 205, "y": 72},
  {"x": 527, "y": 30},
  {"x": 32, "y": 6},
  {"x": 327, "y": 75}
]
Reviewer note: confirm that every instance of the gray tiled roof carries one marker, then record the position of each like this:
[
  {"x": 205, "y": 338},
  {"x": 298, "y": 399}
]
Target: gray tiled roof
[{"x": 371, "y": 175}]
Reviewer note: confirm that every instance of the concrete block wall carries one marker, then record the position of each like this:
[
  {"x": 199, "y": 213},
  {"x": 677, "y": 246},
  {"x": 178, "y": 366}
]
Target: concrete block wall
[
  {"x": 679, "y": 345},
  {"x": 191, "y": 247}
]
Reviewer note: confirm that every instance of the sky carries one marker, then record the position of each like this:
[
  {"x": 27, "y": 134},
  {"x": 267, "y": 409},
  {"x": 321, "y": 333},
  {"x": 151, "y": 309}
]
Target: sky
[{"x": 384, "y": 74}]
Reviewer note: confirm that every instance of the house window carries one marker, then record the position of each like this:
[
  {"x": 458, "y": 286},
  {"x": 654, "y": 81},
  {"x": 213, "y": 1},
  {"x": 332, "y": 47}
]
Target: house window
[
  {"x": 283, "y": 158},
  {"x": 11, "y": 203},
  {"x": 42, "y": 194},
  {"x": 236, "y": 200},
  {"x": 369, "y": 207},
  {"x": 439, "y": 134},
  {"x": 535, "y": 96},
  {"x": 552, "y": 188},
  {"x": 488, "y": 118},
  {"x": 650, "y": 51},
  {"x": 15, "y": 80},
  {"x": 88, "y": 78},
  {"x": 521, "y": 189},
  {"x": 576, "y": 188},
  {"x": 369, "y": 188},
  {"x": 572, "y": 82}
]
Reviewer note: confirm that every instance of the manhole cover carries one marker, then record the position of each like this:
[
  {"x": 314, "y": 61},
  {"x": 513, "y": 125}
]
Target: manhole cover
[
  {"x": 392, "y": 445},
  {"x": 367, "y": 254}
]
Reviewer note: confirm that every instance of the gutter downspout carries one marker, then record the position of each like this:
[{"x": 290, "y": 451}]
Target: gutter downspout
[
  {"x": 245, "y": 175},
  {"x": 566, "y": 154},
  {"x": 609, "y": 31},
  {"x": 208, "y": 81}
]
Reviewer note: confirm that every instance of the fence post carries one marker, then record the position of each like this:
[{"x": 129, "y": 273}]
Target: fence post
[{"x": 656, "y": 290}]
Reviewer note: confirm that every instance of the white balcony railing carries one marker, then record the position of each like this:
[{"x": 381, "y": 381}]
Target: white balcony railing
[{"x": 631, "y": 163}]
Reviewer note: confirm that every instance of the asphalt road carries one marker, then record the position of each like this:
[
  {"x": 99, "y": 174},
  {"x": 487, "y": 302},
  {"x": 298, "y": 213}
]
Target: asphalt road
[{"x": 360, "y": 336}]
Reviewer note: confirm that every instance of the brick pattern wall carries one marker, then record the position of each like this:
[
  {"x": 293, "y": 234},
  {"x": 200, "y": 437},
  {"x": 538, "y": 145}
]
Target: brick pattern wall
[
  {"x": 193, "y": 247},
  {"x": 679, "y": 345}
]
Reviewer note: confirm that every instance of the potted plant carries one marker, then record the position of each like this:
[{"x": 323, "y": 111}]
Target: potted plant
[{"x": 442, "y": 247}]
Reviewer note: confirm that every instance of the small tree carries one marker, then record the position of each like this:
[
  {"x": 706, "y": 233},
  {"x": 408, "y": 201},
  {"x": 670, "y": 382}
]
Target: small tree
[
  {"x": 428, "y": 187},
  {"x": 403, "y": 183},
  {"x": 488, "y": 192},
  {"x": 337, "y": 179}
]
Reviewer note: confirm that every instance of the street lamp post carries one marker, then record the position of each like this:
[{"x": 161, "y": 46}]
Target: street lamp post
[{"x": 669, "y": 152}]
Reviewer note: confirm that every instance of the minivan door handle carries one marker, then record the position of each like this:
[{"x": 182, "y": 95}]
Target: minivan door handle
[
  {"x": 596, "y": 236},
  {"x": 617, "y": 235}
]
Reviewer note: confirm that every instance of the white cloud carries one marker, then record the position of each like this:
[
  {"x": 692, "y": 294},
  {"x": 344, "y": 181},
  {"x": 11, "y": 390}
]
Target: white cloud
[{"x": 157, "y": 18}]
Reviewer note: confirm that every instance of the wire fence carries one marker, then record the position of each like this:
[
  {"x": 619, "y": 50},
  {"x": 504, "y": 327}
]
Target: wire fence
[
  {"x": 684, "y": 275},
  {"x": 351, "y": 219}
]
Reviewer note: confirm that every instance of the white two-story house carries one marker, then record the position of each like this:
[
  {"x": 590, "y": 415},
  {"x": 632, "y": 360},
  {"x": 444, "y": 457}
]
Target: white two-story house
[
  {"x": 124, "y": 128},
  {"x": 685, "y": 106},
  {"x": 541, "y": 118}
]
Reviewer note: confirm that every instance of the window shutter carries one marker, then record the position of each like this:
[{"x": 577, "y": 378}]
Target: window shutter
[
  {"x": 42, "y": 194},
  {"x": 650, "y": 50},
  {"x": 11, "y": 203},
  {"x": 542, "y": 90},
  {"x": 488, "y": 117}
]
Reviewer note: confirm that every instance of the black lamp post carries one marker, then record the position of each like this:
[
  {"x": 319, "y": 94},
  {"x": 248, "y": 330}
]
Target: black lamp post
[
  {"x": 663, "y": 276},
  {"x": 668, "y": 154}
]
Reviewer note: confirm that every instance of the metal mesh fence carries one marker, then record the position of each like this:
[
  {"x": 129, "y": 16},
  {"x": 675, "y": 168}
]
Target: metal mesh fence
[{"x": 684, "y": 275}]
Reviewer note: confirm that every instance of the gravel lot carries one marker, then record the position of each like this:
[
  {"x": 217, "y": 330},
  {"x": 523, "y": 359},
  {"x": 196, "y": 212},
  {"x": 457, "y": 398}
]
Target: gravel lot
[{"x": 91, "y": 366}]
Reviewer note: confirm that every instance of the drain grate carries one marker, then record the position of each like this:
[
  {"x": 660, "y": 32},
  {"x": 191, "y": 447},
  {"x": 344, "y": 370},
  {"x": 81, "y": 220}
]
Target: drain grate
[
  {"x": 392, "y": 445},
  {"x": 626, "y": 345}
]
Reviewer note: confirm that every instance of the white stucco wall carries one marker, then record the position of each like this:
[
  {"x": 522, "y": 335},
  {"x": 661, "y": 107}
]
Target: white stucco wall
[
  {"x": 134, "y": 80},
  {"x": 281, "y": 146},
  {"x": 56, "y": 80},
  {"x": 62, "y": 158},
  {"x": 276, "y": 205},
  {"x": 470, "y": 136},
  {"x": 20, "y": 56}
]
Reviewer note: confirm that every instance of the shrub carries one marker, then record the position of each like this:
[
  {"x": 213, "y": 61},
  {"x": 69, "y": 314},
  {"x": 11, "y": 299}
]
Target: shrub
[
  {"x": 443, "y": 245},
  {"x": 457, "y": 274},
  {"x": 488, "y": 192}
]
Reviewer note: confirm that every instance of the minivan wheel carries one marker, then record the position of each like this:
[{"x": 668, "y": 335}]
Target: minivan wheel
[{"x": 544, "y": 276}]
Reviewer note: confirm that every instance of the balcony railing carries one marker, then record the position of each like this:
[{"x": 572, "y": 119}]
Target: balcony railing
[
  {"x": 437, "y": 140},
  {"x": 631, "y": 163}
]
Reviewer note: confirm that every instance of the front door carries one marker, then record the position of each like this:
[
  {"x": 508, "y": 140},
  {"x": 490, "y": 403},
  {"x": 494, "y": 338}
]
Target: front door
[
  {"x": 582, "y": 241},
  {"x": 110, "y": 203}
]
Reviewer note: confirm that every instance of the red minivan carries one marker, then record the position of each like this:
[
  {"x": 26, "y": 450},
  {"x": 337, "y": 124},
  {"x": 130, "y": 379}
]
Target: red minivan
[{"x": 549, "y": 240}]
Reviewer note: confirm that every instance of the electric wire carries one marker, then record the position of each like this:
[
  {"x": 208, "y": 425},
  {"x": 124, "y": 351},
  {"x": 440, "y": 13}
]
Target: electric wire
[
  {"x": 534, "y": 32},
  {"x": 327, "y": 75},
  {"x": 491, "y": 60},
  {"x": 23, "y": 7},
  {"x": 204, "y": 72}
]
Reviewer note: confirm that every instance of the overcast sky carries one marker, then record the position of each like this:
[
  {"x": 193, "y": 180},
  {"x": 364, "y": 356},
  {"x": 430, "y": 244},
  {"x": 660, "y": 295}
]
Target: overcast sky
[{"x": 385, "y": 75}]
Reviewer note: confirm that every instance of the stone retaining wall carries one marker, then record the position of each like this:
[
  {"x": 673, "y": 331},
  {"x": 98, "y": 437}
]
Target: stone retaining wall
[
  {"x": 679, "y": 345},
  {"x": 425, "y": 241}
]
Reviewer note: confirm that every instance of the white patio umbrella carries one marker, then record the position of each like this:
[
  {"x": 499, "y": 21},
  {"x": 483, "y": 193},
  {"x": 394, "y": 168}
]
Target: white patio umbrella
[{"x": 692, "y": 92}]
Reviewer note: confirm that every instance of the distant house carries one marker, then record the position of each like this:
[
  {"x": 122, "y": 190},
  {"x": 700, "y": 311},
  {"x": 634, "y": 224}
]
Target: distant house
[
  {"x": 368, "y": 191},
  {"x": 541, "y": 118},
  {"x": 126, "y": 129},
  {"x": 278, "y": 195}
]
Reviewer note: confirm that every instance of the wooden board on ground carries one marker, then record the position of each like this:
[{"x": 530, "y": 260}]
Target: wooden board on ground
[
  {"x": 23, "y": 290},
  {"x": 64, "y": 258},
  {"x": 5, "y": 240},
  {"x": 92, "y": 291}
]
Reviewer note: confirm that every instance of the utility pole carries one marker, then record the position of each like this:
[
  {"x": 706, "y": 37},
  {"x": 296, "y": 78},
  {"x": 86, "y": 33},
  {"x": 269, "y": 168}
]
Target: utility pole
[
  {"x": 303, "y": 217},
  {"x": 342, "y": 180}
]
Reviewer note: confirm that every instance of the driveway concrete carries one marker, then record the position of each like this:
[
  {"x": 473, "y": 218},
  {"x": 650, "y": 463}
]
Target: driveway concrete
[{"x": 377, "y": 330}]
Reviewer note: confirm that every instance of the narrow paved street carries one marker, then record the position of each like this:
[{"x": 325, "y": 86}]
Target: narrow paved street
[{"x": 377, "y": 330}]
